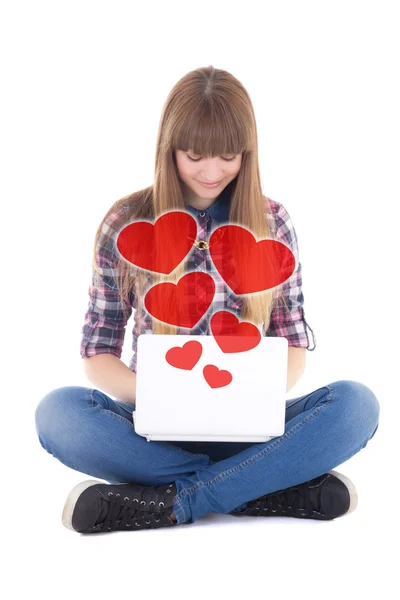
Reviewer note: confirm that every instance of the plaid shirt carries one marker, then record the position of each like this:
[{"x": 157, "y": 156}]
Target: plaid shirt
[{"x": 104, "y": 326}]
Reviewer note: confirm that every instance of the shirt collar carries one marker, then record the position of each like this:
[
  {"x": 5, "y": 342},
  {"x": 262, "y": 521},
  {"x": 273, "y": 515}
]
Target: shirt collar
[{"x": 219, "y": 209}]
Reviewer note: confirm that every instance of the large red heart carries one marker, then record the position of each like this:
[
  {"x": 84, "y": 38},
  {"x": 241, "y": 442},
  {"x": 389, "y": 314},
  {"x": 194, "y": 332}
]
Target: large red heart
[
  {"x": 160, "y": 247},
  {"x": 232, "y": 335},
  {"x": 252, "y": 266},
  {"x": 216, "y": 378},
  {"x": 181, "y": 304},
  {"x": 185, "y": 357}
]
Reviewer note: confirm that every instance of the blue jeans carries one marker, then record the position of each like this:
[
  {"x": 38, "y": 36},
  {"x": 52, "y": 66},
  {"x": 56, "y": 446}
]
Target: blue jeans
[{"x": 88, "y": 431}]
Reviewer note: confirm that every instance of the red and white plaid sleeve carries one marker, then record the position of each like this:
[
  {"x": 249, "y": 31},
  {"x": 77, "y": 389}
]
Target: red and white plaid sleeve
[{"x": 290, "y": 322}]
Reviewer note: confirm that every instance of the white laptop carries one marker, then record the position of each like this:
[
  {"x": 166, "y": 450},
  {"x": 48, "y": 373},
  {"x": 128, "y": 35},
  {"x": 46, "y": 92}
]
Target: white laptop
[{"x": 247, "y": 403}]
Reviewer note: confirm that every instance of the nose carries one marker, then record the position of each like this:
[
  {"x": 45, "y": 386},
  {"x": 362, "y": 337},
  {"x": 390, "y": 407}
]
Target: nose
[
  {"x": 212, "y": 172},
  {"x": 211, "y": 176}
]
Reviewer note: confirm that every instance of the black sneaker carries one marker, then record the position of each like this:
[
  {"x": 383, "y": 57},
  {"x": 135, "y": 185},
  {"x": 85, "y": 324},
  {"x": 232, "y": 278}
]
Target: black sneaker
[
  {"x": 93, "y": 507},
  {"x": 326, "y": 497}
]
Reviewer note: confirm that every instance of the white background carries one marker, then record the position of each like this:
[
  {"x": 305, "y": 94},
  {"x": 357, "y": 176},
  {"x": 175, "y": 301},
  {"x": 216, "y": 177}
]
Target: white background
[{"x": 83, "y": 85}]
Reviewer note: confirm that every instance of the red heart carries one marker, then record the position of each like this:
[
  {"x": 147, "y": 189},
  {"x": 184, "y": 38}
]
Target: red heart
[
  {"x": 216, "y": 378},
  {"x": 186, "y": 357},
  {"x": 252, "y": 266},
  {"x": 232, "y": 335},
  {"x": 160, "y": 247},
  {"x": 181, "y": 304}
]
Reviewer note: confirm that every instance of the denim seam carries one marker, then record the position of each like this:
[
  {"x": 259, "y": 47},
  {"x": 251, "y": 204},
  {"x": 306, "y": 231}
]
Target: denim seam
[
  {"x": 187, "y": 453},
  {"x": 213, "y": 462},
  {"x": 116, "y": 416},
  {"x": 295, "y": 401},
  {"x": 258, "y": 456},
  {"x": 91, "y": 404},
  {"x": 89, "y": 397},
  {"x": 125, "y": 409}
]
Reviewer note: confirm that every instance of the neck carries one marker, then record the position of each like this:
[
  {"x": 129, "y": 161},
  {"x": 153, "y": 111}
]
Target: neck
[{"x": 196, "y": 201}]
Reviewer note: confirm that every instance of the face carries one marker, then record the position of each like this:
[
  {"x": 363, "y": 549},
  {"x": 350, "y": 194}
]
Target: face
[{"x": 194, "y": 170}]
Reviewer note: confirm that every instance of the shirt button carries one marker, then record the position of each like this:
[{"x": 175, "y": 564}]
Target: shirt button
[{"x": 202, "y": 214}]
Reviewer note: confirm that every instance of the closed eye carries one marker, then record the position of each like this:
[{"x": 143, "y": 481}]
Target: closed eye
[{"x": 197, "y": 159}]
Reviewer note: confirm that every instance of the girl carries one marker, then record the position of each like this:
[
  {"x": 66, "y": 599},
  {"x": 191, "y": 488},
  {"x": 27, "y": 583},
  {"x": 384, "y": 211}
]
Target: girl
[{"x": 206, "y": 164}]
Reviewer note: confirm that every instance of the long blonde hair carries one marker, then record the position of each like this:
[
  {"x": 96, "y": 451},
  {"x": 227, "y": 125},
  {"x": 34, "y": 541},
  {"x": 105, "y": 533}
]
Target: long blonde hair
[{"x": 209, "y": 112}]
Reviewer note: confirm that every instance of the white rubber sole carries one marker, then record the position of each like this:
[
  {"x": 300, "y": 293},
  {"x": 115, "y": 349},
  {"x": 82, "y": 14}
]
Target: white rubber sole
[
  {"x": 352, "y": 490},
  {"x": 72, "y": 499}
]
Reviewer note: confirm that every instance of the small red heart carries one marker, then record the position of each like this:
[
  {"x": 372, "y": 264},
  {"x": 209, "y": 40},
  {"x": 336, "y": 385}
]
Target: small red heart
[
  {"x": 232, "y": 335},
  {"x": 252, "y": 266},
  {"x": 181, "y": 304},
  {"x": 216, "y": 378},
  {"x": 185, "y": 357},
  {"x": 160, "y": 247}
]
